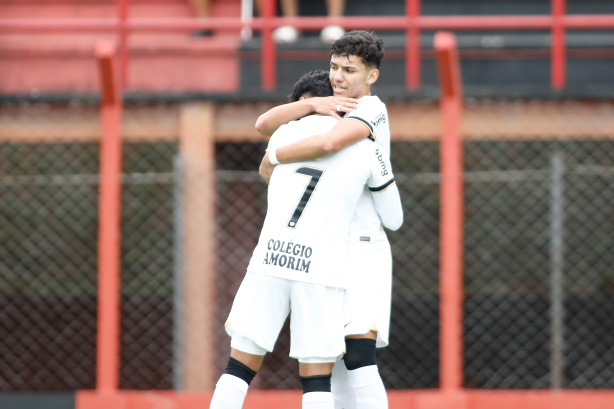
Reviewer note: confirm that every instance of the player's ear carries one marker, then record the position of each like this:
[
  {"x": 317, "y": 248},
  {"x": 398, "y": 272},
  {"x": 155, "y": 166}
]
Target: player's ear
[{"x": 373, "y": 75}]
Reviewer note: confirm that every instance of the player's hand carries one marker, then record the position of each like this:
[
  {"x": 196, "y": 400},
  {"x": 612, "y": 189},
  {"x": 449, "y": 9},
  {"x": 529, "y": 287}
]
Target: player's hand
[
  {"x": 266, "y": 168},
  {"x": 333, "y": 106}
]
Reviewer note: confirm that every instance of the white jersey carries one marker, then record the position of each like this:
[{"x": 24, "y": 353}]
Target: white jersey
[
  {"x": 373, "y": 113},
  {"x": 366, "y": 225},
  {"x": 311, "y": 203}
]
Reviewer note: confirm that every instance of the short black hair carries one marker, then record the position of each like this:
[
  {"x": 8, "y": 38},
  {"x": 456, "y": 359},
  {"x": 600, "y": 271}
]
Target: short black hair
[
  {"x": 315, "y": 83},
  {"x": 363, "y": 43}
]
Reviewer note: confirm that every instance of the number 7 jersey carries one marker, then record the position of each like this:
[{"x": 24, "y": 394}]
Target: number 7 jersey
[{"x": 311, "y": 203}]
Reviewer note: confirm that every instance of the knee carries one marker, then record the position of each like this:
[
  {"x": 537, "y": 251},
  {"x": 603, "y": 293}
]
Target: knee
[
  {"x": 240, "y": 370},
  {"x": 359, "y": 352}
]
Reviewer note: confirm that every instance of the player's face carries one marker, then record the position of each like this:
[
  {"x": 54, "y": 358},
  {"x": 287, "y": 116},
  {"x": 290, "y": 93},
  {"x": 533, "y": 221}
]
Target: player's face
[{"x": 350, "y": 77}]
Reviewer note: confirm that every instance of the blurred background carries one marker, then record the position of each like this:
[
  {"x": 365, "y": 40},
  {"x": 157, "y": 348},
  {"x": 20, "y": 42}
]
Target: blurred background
[{"x": 538, "y": 142}]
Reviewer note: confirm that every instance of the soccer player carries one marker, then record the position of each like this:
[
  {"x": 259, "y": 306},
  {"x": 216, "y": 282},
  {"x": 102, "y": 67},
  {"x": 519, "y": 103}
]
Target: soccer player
[
  {"x": 354, "y": 67},
  {"x": 300, "y": 261}
]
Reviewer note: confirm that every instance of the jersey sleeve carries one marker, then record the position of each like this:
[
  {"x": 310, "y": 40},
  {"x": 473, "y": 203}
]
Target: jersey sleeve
[
  {"x": 385, "y": 192},
  {"x": 371, "y": 112}
]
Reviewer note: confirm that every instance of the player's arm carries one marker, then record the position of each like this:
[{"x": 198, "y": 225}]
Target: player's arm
[
  {"x": 268, "y": 122},
  {"x": 388, "y": 205},
  {"x": 344, "y": 132},
  {"x": 384, "y": 191}
]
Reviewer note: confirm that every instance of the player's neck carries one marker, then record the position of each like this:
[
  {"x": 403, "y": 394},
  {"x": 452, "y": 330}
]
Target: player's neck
[{"x": 362, "y": 95}]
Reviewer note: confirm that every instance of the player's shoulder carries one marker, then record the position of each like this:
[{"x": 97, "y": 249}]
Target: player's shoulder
[
  {"x": 304, "y": 127},
  {"x": 285, "y": 127},
  {"x": 372, "y": 101},
  {"x": 316, "y": 123},
  {"x": 307, "y": 121},
  {"x": 372, "y": 111},
  {"x": 369, "y": 106}
]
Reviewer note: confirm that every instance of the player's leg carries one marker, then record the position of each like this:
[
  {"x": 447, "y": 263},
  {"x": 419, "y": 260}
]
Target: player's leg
[
  {"x": 287, "y": 34},
  {"x": 258, "y": 312},
  {"x": 242, "y": 366},
  {"x": 317, "y": 339},
  {"x": 329, "y": 34},
  {"x": 315, "y": 379},
  {"x": 367, "y": 308},
  {"x": 363, "y": 373},
  {"x": 342, "y": 389}
]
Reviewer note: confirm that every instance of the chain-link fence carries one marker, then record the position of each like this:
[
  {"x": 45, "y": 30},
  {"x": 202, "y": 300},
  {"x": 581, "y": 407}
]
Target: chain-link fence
[
  {"x": 538, "y": 249},
  {"x": 48, "y": 215}
]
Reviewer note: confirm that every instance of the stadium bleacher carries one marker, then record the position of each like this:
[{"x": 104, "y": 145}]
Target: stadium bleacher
[{"x": 494, "y": 63}]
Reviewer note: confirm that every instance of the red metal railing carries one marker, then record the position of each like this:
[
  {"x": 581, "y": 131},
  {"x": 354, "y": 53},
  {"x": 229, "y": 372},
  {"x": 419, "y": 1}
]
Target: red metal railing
[
  {"x": 451, "y": 215},
  {"x": 558, "y": 22},
  {"x": 109, "y": 230}
]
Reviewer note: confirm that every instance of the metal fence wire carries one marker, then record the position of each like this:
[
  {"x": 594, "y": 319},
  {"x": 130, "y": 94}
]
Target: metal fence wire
[
  {"x": 539, "y": 239},
  {"x": 539, "y": 223},
  {"x": 48, "y": 215}
]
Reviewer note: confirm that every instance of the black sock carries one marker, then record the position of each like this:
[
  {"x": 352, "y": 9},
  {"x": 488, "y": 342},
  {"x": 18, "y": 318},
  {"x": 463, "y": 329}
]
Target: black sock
[
  {"x": 317, "y": 383},
  {"x": 239, "y": 370}
]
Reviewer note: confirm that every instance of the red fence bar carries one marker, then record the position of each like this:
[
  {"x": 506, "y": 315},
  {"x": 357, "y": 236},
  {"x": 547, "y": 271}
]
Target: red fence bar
[
  {"x": 122, "y": 17},
  {"x": 519, "y": 22},
  {"x": 412, "y": 23},
  {"x": 557, "y": 60},
  {"x": 589, "y": 21},
  {"x": 451, "y": 220},
  {"x": 412, "y": 49},
  {"x": 57, "y": 25},
  {"x": 107, "y": 376}
]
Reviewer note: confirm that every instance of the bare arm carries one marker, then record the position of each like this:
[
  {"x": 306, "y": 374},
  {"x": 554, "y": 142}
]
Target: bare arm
[
  {"x": 345, "y": 132},
  {"x": 268, "y": 122}
]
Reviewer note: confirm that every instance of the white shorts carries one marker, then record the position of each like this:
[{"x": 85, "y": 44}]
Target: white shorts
[
  {"x": 263, "y": 303},
  {"x": 368, "y": 295}
]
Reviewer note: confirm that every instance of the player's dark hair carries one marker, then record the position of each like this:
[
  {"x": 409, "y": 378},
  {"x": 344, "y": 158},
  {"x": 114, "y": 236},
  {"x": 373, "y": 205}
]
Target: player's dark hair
[
  {"x": 315, "y": 83},
  {"x": 363, "y": 43}
]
